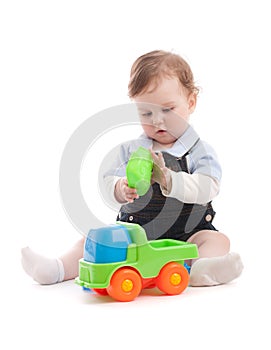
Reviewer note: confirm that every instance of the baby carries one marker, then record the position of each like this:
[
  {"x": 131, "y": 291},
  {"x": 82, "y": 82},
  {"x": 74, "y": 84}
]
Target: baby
[{"x": 185, "y": 179}]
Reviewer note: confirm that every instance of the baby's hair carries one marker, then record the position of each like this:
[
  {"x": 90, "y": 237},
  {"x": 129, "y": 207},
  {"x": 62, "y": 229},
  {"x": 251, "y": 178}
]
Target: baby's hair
[{"x": 152, "y": 66}]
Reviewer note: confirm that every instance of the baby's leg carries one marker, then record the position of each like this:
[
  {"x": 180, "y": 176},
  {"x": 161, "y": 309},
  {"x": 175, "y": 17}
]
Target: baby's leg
[
  {"x": 71, "y": 259},
  {"x": 48, "y": 271},
  {"x": 215, "y": 264}
]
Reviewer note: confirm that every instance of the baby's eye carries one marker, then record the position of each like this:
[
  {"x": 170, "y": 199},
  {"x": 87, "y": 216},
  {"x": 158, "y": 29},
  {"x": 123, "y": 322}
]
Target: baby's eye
[
  {"x": 146, "y": 114},
  {"x": 167, "y": 110}
]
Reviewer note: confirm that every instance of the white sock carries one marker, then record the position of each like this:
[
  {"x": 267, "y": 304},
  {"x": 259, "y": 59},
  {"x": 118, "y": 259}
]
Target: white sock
[
  {"x": 214, "y": 271},
  {"x": 43, "y": 270}
]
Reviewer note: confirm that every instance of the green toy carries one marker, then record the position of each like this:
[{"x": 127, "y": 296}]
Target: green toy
[
  {"x": 158, "y": 263},
  {"x": 139, "y": 170}
]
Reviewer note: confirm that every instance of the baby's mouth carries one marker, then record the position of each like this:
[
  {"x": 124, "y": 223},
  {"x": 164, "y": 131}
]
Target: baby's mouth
[{"x": 161, "y": 131}]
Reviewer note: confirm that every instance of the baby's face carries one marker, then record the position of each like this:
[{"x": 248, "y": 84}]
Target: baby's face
[{"x": 164, "y": 111}]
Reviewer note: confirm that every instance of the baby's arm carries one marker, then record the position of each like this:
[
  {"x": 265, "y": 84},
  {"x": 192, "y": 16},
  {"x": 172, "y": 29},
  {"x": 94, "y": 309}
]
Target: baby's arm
[
  {"x": 192, "y": 188},
  {"x": 118, "y": 190},
  {"x": 123, "y": 193},
  {"x": 161, "y": 174},
  {"x": 115, "y": 185},
  {"x": 197, "y": 188}
]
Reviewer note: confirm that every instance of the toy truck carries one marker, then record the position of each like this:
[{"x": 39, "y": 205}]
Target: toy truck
[{"x": 120, "y": 261}]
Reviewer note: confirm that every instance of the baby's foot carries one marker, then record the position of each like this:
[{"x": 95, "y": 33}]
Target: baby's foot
[
  {"x": 214, "y": 271},
  {"x": 43, "y": 270}
]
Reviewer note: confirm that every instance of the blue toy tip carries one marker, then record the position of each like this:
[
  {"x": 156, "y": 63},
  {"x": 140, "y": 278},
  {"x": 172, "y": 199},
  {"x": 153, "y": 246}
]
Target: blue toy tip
[{"x": 188, "y": 268}]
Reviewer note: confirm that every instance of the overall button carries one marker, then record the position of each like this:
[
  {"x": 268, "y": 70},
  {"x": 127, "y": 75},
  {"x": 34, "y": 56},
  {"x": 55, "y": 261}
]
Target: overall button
[
  {"x": 131, "y": 218},
  {"x": 208, "y": 217}
]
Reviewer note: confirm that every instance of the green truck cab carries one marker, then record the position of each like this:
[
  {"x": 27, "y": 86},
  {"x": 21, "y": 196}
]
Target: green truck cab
[{"x": 120, "y": 261}]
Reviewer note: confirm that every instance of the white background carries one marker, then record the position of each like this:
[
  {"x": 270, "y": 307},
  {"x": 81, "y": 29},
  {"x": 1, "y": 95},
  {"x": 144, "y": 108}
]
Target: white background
[{"x": 63, "y": 61}]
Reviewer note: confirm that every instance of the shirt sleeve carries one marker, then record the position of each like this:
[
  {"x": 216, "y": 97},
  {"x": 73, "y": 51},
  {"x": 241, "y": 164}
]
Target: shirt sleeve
[
  {"x": 114, "y": 170},
  {"x": 201, "y": 184},
  {"x": 117, "y": 167},
  {"x": 192, "y": 188},
  {"x": 203, "y": 160}
]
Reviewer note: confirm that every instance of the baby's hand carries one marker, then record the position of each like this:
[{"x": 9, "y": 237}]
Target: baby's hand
[
  {"x": 123, "y": 193},
  {"x": 161, "y": 173}
]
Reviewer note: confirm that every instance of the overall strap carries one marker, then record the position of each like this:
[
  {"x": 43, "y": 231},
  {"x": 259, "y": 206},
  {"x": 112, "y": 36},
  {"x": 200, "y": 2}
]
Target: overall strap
[
  {"x": 181, "y": 164},
  {"x": 194, "y": 144}
]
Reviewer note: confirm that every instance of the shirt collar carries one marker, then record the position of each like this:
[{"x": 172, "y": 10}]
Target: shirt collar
[{"x": 181, "y": 146}]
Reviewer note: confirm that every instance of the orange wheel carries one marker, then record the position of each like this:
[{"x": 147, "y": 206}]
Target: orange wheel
[
  {"x": 173, "y": 278},
  {"x": 100, "y": 291},
  {"x": 125, "y": 285}
]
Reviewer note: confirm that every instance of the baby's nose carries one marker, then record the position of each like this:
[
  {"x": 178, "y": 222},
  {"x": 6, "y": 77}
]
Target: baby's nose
[{"x": 158, "y": 118}]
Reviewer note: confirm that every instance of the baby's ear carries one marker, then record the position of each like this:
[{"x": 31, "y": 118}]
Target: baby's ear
[{"x": 192, "y": 102}]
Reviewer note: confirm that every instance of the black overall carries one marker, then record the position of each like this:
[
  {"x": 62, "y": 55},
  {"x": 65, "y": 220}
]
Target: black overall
[{"x": 165, "y": 217}]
